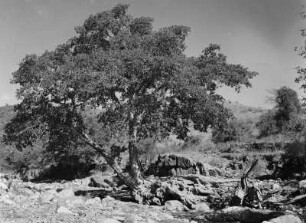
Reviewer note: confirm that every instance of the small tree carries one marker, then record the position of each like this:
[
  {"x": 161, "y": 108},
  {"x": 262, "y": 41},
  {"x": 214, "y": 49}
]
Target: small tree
[
  {"x": 284, "y": 116},
  {"x": 138, "y": 82},
  {"x": 287, "y": 105}
]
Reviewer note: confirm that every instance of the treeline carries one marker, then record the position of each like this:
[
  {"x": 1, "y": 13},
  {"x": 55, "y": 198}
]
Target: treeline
[{"x": 286, "y": 118}]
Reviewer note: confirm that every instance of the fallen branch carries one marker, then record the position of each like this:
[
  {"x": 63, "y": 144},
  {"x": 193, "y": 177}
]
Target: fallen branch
[
  {"x": 246, "y": 194},
  {"x": 196, "y": 178}
]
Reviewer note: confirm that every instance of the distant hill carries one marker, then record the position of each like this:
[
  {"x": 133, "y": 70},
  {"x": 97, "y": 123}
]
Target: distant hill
[{"x": 243, "y": 112}]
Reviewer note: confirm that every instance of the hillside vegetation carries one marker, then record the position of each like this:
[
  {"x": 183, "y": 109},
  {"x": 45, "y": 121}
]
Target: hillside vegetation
[
  {"x": 245, "y": 113},
  {"x": 6, "y": 114}
]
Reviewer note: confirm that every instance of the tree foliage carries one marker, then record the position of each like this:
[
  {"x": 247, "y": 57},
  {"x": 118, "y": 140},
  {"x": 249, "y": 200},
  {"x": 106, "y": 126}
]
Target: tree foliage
[
  {"x": 236, "y": 130},
  {"x": 137, "y": 82},
  {"x": 294, "y": 160},
  {"x": 285, "y": 115},
  {"x": 267, "y": 124},
  {"x": 287, "y": 105},
  {"x": 228, "y": 133}
]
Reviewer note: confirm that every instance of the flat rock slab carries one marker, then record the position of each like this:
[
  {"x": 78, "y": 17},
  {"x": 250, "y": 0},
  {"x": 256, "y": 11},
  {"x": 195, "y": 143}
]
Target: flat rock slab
[
  {"x": 285, "y": 219},
  {"x": 102, "y": 193},
  {"x": 235, "y": 214},
  {"x": 91, "y": 192}
]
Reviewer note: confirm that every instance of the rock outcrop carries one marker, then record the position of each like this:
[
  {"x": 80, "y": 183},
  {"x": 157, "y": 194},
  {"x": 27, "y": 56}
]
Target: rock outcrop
[{"x": 173, "y": 165}]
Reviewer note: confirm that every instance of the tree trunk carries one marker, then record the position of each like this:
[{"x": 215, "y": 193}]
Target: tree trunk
[
  {"x": 131, "y": 182},
  {"x": 139, "y": 188},
  {"x": 135, "y": 172}
]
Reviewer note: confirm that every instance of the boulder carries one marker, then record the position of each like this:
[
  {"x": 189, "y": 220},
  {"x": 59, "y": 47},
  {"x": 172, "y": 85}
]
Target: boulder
[
  {"x": 98, "y": 180},
  {"x": 48, "y": 196},
  {"x": 184, "y": 163},
  {"x": 174, "y": 205},
  {"x": 107, "y": 220},
  {"x": 3, "y": 186},
  {"x": 207, "y": 170},
  {"x": 257, "y": 216},
  {"x": 173, "y": 165},
  {"x": 75, "y": 202},
  {"x": 93, "y": 201},
  {"x": 7, "y": 200},
  {"x": 276, "y": 186},
  {"x": 168, "y": 161},
  {"x": 302, "y": 186},
  {"x": 202, "y": 207},
  {"x": 158, "y": 216},
  {"x": 26, "y": 191},
  {"x": 66, "y": 193},
  {"x": 132, "y": 219},
  {"x": 108, "y": 203},
  {"x": 285, "y": 219},
  {"x": 64, "y": 210}
]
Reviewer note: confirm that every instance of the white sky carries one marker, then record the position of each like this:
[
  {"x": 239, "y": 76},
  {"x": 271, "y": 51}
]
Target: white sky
[{"x": 259, "y": 34}]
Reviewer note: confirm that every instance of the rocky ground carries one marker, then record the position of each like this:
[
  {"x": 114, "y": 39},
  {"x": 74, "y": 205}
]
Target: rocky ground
[
  {"x": 207, "y": 190},
  {"x": 57, "y": 202}
]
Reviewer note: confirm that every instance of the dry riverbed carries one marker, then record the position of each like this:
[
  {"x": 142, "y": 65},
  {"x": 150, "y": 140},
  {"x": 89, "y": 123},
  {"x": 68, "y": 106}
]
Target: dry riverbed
[{"x": 57, "y": 202}]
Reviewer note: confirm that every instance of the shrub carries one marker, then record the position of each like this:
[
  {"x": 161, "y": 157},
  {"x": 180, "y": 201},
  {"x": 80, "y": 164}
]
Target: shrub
[
  {"x": 267, "y": 124},
  {"x": 227, "y": 133},
  {"x": 236, "y": 130},
  {"x": 287, "y": 105},
  {"x": 147, "y": 153},
  {"x": 295, "y": 125},
  {"x": 293, "y": 160},
  {"x": 49, "y": 165}
]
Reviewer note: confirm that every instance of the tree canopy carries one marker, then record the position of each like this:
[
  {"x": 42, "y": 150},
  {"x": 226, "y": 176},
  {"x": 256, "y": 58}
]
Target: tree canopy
[
  {"x": 284, "y": 117},
  {"x": 137, "y": 80},
  {"x": 287, "y": 104}
]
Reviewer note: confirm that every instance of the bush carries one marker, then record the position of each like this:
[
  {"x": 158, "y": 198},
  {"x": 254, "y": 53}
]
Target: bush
[
  {"x": 295, "y": 124},
  {"x": 227, "y": 133},
  {"x": 53, "y": 162},
  {"x": 236, "y": 130},
  {"x": 267, "y": 124},
  {"x": 147, "y": 153},
  {"x": 293, "y": 160},
  {"x": 50, "y": 165}
]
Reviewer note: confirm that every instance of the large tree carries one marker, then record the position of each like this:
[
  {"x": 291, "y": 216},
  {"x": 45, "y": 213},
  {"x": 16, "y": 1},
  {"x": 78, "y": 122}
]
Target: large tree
[{"x": 137, "y": 80}]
